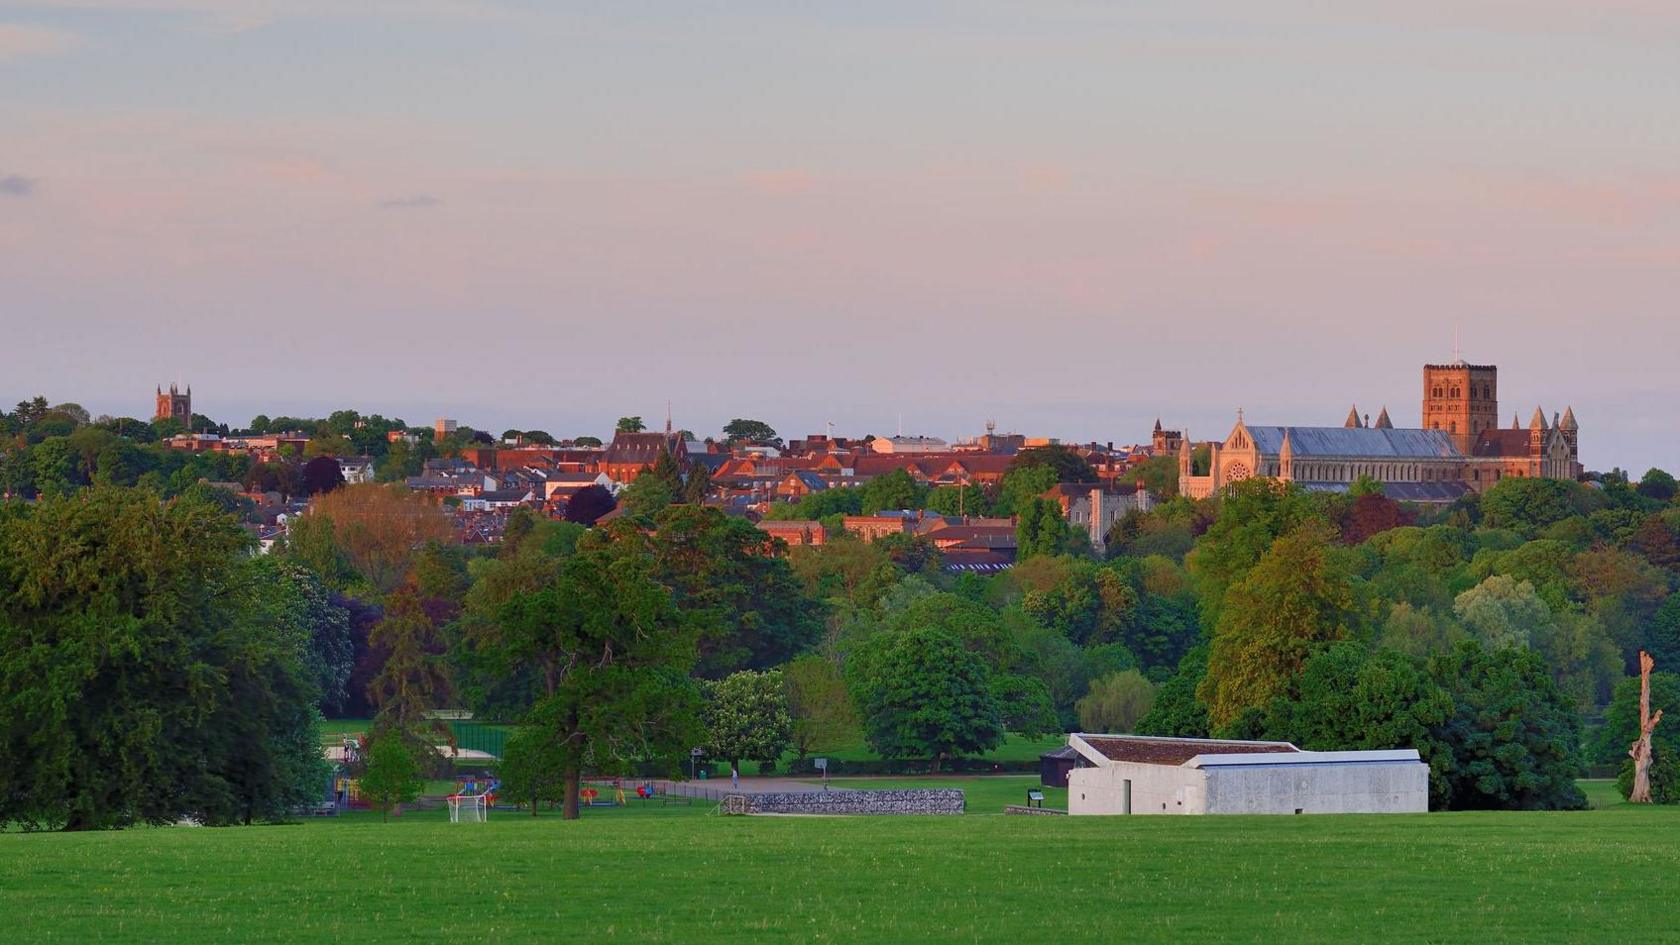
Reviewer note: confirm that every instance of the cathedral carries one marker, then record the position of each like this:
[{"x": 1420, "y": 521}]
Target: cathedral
[{"x": 1459, "y": 447}]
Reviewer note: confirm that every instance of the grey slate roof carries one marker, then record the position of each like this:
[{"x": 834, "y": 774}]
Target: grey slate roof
[
  {"x": 1403, "y": 491},
  {"x": 1360, "y": 442}
]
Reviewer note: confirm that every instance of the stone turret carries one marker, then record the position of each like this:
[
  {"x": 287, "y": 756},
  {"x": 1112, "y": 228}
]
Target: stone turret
[
  {"x": 1286, "y": 458},
  {"x": 1570, "y": 431},
  {"x": 1352, "y": 422},
  {"x": 1537, "y": 433},
  {"x": 1383, "y": 423}
]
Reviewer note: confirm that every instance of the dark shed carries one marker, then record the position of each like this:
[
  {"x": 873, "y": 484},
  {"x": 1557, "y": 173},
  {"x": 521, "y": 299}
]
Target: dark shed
[{"x": 1053, "y": 766}]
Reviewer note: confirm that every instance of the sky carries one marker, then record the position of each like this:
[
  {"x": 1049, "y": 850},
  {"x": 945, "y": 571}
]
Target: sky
[{"x": 1065, "y": 217}]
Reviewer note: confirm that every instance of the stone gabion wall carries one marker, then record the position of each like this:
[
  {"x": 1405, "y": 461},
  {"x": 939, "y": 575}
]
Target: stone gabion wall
[{"x": 941, "y": 801}]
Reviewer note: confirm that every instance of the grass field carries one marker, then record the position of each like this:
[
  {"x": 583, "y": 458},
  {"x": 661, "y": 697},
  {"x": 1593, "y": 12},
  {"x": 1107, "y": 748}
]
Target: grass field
[{"x": 654, "y": 874}]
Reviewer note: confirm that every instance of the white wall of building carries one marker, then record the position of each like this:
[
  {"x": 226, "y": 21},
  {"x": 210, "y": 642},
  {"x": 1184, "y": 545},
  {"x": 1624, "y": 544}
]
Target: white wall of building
[{"x": 1324, "y": 782}]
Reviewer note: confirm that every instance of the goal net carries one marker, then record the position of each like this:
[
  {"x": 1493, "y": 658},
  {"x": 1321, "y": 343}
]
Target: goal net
[{"x": 469, "y": 808}]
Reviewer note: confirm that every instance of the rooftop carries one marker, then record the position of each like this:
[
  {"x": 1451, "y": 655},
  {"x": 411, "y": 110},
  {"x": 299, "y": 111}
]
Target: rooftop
[{"x": 1149, "y": 750}]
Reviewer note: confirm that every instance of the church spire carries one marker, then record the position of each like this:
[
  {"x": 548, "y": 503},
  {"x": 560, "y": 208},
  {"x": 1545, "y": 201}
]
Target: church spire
[
  {"x": 1383, "y": 423},
  {"x": 1538, "y": 421},
  {"x": 1568, "y": 421},
  {"x": 1353, "y": 422}
]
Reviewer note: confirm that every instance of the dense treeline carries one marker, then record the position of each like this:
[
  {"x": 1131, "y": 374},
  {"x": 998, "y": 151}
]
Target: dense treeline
[
  {"x": 151, "y": 669},
  {"x": 50, "y": 450},
  {"x": 1484, "y": 634}
]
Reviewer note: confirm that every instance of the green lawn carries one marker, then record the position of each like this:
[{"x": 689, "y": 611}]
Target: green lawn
[{"x": 653, "y": 874}]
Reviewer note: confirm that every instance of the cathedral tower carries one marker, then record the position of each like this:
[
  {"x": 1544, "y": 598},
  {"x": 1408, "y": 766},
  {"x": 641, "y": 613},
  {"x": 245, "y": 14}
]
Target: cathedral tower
[
  {"x": 1462, "y": 400},
  {"x": 174, "y": 405}
]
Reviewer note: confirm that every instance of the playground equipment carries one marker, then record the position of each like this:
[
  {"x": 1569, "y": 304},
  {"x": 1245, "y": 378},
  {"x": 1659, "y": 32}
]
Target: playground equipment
[{"x": 469, "y": 808}]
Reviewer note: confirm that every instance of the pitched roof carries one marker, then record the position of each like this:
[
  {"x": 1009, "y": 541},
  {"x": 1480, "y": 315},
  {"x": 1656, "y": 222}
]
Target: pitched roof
[
  {"x": 1434, "y": 491},
  {"x": 1361, "y": 441},
  {"x": 1499, "y": 442},
  {"x": 1140, "y": 749}
]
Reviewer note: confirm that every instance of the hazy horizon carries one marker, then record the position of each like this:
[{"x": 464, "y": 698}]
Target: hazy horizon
[{"x": 1066, "y": 217}]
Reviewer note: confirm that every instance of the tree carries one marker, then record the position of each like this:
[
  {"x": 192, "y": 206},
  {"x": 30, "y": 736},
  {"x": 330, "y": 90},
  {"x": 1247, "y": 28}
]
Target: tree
[
  {"x": 587, "y": 441},
  {"x": 531, "y": 773},
  {"x": 1502, "y": 611},
  {"x": 1291, "y": 603},
  {"x": 611, "y": 654},
  {"x": 1640, "y": 752},
  {"x": 381, "y": 529},
  {"x": 654, "y": 488},
  {"x": 1023, "y": 486},
  {"x": 1527, "y": 505},
  {"x": 1353, "y": 699},
  {"x": 1116, "y": 702},
  {"x": 322, "y": 474},
  {"x": 141, "y": 678},
  {"x": 1178, "y": 711},
  {"x": 1024, "y": 705},
  {"x": 1040, "y": 529},
  {"x": 1622, "y": 728},
  {"x": 892, "y": 491},
  {"x": 696, "y": 485},
  {"x": 414, "y": 680},
  {"x": 736, "y": 584},
  {"x": 756, "y": 432},
  {"x": 1513, "y": 738},
  {"x": 630, "y": 425},
  {"x": 1253, "y": 515},
  {"x": 746, "y": 717},
  {"x": 821, "y": 709},
  {"x": 922, "y": 694},
  {"x": 1064, "y": 461},
  {"x": 302, "y": 602},
  {"x": 393, "y": 774},
  {"x": 588, "y": 504},
  {"x": 1658, "y": 485}
]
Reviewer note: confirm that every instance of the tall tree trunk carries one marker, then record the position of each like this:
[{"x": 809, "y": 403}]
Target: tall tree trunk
[
  {"x": 569, "y": 807},
  {"x": 1640, "y": 752}
]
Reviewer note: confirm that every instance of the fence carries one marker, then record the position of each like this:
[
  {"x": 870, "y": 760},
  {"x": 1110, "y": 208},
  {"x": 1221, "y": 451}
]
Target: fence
[{"x": 480, "y": 736}]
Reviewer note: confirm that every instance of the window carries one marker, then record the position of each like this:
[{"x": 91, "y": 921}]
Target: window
[{"x": 1125, "y": 796}]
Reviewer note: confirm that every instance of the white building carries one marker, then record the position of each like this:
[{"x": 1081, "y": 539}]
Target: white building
[
  {"x": 1132, "y": 774},
  {"x": 908, "y": 444}
]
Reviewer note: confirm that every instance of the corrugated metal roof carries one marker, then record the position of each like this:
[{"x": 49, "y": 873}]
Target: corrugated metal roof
[{"x": 1361, "y": 442}]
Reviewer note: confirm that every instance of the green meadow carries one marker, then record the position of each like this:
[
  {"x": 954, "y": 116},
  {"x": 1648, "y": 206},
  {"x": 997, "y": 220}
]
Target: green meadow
[{"x": 649, "y": 873}]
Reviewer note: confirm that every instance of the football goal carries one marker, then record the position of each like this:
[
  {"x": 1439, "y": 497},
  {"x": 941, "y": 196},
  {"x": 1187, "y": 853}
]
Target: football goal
[{"x": 468, "y": 808}]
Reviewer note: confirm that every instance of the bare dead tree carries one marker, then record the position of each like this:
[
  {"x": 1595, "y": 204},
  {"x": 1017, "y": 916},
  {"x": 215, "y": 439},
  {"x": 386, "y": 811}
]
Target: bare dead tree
[{"x": 1640, "y": 752}]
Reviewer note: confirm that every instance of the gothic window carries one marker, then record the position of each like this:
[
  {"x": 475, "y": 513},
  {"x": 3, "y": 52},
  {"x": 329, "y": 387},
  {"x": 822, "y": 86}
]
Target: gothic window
[
  {"x": 1453, "y": 426},
  {"x": 1437, "y": 392}
]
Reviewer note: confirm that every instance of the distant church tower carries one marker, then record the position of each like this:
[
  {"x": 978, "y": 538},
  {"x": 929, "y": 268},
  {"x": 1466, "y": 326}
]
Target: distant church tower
[
  {"x": 1462, "y": 400},
  {"x": 174, "y": 405}
]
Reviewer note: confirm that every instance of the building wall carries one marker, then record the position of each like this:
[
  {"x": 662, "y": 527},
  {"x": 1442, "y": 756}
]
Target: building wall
[
  {"x": 1156, "y": 789},
  {"x": 1332, "y": 788},
  {"x": 1327, "y": 788}
]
